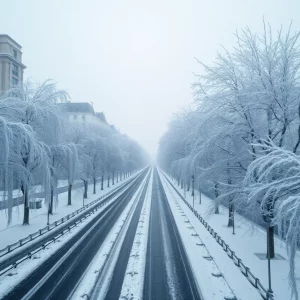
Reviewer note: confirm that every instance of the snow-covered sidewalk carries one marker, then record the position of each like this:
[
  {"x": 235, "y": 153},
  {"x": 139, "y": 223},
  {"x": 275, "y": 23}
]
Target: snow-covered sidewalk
[
  {"x": 38, "y": 217},
  {"x": 249, "y": 239}
]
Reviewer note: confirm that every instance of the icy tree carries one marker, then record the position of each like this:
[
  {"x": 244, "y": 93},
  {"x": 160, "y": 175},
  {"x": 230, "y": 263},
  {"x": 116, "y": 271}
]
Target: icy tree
[
  {"x": 247, "y": 102},
  {"x": 272, "y": 185},
  {"x": 17, "y": 138},
  {"x": 69, "y": 167},
  {"x": 36, "y": 107}
]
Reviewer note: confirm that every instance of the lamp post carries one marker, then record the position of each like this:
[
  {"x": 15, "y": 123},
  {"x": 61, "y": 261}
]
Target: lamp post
[
  {"x": 267, "y": 219},
  {"x": 193, "y": 192},
  {"x": 270, "y": 292}
]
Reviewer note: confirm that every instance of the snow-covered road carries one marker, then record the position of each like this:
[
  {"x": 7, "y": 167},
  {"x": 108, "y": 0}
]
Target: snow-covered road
[{"x": 140, "y": 246}]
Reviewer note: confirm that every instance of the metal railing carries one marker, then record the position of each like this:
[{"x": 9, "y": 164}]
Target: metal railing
[
  {"x": 53, "y": 239},
  {"x": 9, "y": 248},
  {"x": 266, "y": 295}
]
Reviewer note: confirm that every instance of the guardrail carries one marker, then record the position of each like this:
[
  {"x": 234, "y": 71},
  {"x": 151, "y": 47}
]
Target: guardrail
[
  {"x": 266, "y": 295},
  {"x": 9, "y": 248},
  {"x": 51, "y": 240}
]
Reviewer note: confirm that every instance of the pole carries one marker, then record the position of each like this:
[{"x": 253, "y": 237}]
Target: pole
[
  {"x": 270, "y": 292},
  {"x": 193, "y": 193},
  {"x": 48, "y": 214}
]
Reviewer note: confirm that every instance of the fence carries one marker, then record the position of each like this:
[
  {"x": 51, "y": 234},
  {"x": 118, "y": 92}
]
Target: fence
[
  {"x": 8, "y": 249},
  {"x": 9, "y": 266}
]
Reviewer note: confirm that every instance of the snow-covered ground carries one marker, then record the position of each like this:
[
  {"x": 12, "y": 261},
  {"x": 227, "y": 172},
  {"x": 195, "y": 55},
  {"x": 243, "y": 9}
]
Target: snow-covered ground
[
  {"x": 38, "y": 217},
  {"x": 248, "y": 240}
]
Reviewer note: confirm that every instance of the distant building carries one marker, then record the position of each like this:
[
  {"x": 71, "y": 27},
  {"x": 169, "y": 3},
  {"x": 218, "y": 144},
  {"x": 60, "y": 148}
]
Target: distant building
[
  {"x": 83, "y": 112},
  {"x": 101, "y": 117},
  {"x": 11, "y": 67}
]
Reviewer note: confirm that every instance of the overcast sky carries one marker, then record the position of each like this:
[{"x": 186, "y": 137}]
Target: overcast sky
[{"x": 133, "y": 59}]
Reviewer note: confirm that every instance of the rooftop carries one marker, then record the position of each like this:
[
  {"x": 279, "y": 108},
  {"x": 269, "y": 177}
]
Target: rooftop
[
  {"x": 78, "y": 107},
  {"x": 4, "y": 37}
]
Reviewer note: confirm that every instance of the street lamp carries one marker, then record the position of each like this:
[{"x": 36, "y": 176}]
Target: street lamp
[
  {"x": 193, "y": 192},
  {"x": 270, "y": 292},
  {"x": 267, "y": 219}
]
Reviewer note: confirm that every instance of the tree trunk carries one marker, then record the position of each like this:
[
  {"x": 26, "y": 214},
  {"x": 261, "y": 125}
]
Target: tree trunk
[
  {"x": 181, "y": 184},
  {"x": 85, "y": 189},
  {"x": 51, "y": 202},
  {"x": 178, "y": 181},
  {"x": 231, "y": 213},
  {"x": 216, "y": 198},
  {"x": 200, "y": 196},
  {"x": 113, "y": 178},
  {"x": 102, "y": 181},
  {"x": 70, "y": 194},
  {"x": 94, "y": 191},
  {"x": 108, "y": 179},
  {"x": 26, "y": 206},
  {"x": 270, "y": 235},
  {"x": 117, "y": 178},
  {"x": 230, "y": 204}
]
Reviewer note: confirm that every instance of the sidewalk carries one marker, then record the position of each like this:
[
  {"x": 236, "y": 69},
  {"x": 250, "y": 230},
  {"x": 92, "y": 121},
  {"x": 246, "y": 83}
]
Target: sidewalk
[
  {"x": 248, "y": 240},
  {"x": 38, "y": 217}
]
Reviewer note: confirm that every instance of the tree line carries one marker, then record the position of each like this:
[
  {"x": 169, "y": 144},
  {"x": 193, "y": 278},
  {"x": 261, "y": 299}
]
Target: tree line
[
  {"x": 40, "y": 146},
  {"x": 240, "y": 139}
]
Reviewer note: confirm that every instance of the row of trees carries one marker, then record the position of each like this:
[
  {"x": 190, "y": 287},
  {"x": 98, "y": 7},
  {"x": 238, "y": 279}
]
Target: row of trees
[
  {"x": 241, "y": 139},
  {"x": 40, "y": 146}
]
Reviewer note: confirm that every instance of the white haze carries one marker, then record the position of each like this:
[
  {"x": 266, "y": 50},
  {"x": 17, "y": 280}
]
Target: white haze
[{"x": 133, "y": 59}]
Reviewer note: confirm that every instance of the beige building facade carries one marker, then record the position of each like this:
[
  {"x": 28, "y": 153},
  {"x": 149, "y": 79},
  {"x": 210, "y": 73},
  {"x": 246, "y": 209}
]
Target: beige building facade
[{"x": 11, "y": 66}]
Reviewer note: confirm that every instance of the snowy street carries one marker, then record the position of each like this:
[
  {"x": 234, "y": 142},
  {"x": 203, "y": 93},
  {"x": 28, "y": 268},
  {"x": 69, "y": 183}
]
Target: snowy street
[
  {"x": 143, "y": 244},
  {"x": 150, "y": 150}
]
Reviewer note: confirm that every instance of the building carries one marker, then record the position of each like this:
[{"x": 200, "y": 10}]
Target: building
[
  {"x": 11, "y": 67},
  {"x": 83, "y": 112}
]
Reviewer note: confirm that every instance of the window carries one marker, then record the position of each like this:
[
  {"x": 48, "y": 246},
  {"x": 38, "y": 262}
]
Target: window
[
  {"x": 15, "y": 54},
  {"x": 15, "y": 81},
  {"x": 15, "y": 70}
]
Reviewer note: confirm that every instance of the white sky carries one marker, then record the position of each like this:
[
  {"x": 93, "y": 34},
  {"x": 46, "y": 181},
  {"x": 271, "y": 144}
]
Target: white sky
[{"x": 133, "y": 59}]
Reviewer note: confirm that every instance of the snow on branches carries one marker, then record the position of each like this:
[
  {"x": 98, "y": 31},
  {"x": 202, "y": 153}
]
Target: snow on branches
[
  {"x": 241, "y": 141},
  {"x": 41, "y": 146}
]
